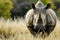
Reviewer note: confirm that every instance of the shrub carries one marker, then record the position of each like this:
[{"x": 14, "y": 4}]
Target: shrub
[{"x": 5, "y": 7}]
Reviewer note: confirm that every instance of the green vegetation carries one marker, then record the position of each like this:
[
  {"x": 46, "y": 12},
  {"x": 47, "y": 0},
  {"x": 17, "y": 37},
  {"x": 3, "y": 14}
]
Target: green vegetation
[
  {"x": 5, "y": 7},
  {"x": 58, "y": 13},
  {"x": 34, "y": 1}
]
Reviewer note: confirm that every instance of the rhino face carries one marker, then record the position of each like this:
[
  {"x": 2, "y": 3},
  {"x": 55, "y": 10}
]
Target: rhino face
[{"x": 39, "y": 17}]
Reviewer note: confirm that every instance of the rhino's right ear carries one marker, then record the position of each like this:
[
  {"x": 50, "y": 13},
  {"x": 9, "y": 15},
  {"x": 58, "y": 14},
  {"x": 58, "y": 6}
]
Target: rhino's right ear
[
  {"x": 33, "y": 5},
  {"x": 48, "y": 6}
]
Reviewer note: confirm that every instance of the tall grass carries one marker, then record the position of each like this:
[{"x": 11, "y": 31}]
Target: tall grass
[{"x": 17, "y": 30}]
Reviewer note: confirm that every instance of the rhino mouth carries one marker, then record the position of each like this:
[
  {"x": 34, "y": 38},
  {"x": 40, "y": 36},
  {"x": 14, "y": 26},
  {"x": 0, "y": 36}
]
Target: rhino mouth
[{"x": 39, "y": 27}]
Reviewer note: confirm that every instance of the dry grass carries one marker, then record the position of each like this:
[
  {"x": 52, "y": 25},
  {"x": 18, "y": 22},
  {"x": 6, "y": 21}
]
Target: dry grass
[{"x": 17, "y": 30}]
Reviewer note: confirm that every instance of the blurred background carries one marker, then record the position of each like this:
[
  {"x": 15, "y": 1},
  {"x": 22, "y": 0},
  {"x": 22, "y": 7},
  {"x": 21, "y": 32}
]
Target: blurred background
[{"x": 18, "y": 8}]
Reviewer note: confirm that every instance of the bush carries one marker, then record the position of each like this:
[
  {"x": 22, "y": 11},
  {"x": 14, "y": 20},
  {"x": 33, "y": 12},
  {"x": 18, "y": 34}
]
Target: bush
[
  {"x": 5, "y": 7},
  {"x": 20, "y": 7},
  {"x": 34, "y": 1},
  {"x": 58, "y": 12}
]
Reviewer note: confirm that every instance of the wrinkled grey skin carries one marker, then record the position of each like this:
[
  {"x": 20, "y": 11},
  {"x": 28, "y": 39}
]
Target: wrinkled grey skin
[{"x": 41, "y": 19}]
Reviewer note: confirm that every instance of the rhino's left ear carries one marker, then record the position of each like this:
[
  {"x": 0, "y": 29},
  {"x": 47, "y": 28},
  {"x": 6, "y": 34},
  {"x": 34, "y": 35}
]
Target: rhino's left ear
[
  {"x": 33, "y": 5},
  {"x": 48, "y": 6}
]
